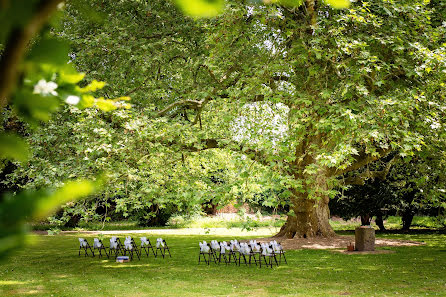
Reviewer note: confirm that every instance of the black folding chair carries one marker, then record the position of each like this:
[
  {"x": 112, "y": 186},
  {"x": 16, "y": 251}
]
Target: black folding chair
[
  {"x": 224, "y": 251},
  {"x": 278, "y": 250},
  {"x": 116, "y": 247},
  {"x": 98, "y": 245},
  {"x": 205, "y": 249},
  {"x": 83, "y": 245},
  {"x": 267, "y": 252},
  {"x": 235, "y": 249},
  {"x": 243, "y": 252},
  {"x": 146, "y": 245},
  {"x": 131, "y": 247},
  {"x": 254, "y": 252},
  {"x": 161, "y": 245},
  {"x": 215, "y": 249}
]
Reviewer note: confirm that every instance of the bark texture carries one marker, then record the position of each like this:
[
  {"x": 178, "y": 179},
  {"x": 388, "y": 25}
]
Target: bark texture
[
  {"x": 311, "y": 216},
  {"x": 310, "y": 219}
]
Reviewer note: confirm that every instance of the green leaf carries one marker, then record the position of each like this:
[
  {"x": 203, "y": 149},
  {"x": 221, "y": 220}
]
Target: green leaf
[
  {"x": 71, "y": 77},
  {"x": 72, "y": 190},
  {"x": 105, "y": 105},
  {"x": 34, "y": 107},
  {"x": 87, "y": 101},
  {"x": 201, "y": 8},
  {"x": 92, "y": 87},
  {"x": 338, "y": 4},
  {"x": 291, "y": 3},
  {"x": 50, "y": 51},
  {"x": 13, "y": 147}
]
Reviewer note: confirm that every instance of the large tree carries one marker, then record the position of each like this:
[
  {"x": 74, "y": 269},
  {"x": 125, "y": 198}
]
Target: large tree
[{"x": 357, "y": 84}]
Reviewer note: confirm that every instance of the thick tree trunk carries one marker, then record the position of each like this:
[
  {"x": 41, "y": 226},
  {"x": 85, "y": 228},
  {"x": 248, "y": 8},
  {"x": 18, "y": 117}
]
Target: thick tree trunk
[
  {"x": 380, "y": 223},
  {"x": 311, "y": 219},
  {"x": 365, "y": 220},
  {"x": 407, "y": 220}
]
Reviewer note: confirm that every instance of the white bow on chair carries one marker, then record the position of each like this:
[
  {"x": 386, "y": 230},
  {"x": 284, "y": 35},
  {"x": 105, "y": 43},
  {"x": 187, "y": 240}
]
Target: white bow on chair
[
  {"x": 235, "y": 247},
  {"x": 215, "y": 245},
  {"x": 256, "y": 248},
  {"x": 266, "y": 250},
  {"x": 144, "y": 241},
  {"x": 113, "y": 243},
  {"x": 96, "y": 244},
  {"x": 128, "y": 243},
  {"x": 277, "y": 248},
  {"x": 244, "y": 248},
  {"x": 204, "y": 248},
  {"x": 224, "y": 247},
  {"x": 82, "y": 242},
  {"x": 159, "y": 243}
]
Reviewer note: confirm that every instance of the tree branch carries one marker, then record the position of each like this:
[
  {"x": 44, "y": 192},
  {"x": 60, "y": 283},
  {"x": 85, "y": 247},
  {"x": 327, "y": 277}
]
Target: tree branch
[
  {"x": 137, "y": 88},
  {"x": 361, "y": 160},
  {"x": 211, "y": 143},
  {"x": 187, "y": 103},
  {"x": 363, "y": 177}
]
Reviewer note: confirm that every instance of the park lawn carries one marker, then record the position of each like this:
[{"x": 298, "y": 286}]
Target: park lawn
[{"x": 51, "y": 267}]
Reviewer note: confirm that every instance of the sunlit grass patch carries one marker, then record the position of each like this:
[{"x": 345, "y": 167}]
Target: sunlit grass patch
[{"x": 52, "y": 266}]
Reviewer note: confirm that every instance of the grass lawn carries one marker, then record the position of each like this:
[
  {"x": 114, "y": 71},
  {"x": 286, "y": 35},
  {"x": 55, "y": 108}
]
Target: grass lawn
[{"x": 51, "y": 267}]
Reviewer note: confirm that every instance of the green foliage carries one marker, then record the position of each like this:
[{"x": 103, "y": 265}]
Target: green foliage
[
  {"x": 16, "y": 210},
  {"x": 46, "y": 81},
  {"x": 364, "y": 81},
  {"x": 410, "y": 188}
]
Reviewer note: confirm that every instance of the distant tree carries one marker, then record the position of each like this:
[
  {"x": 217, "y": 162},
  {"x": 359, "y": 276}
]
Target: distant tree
[{"x": 404, "y": 191}]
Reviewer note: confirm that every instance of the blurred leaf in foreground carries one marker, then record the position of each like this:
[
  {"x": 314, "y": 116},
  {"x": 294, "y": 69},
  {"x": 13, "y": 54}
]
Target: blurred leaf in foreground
[
  {"x": 338, "y": 3},
  {"x": 12, "y": 147},
  {"x": 201, "y": 8},
  {"x": 16, "y": 210}
]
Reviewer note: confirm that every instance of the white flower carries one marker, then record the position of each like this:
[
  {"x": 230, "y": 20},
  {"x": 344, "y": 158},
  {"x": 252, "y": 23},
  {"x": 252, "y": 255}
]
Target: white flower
[
  {"x": 45, "y": 88},
  {"x": 435, "y": 125},
  {"x": 72, "y": 100}
]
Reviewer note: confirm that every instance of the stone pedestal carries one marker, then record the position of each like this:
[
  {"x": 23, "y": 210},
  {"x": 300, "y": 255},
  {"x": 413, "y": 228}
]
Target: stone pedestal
[{"x": 365, "y": 238}]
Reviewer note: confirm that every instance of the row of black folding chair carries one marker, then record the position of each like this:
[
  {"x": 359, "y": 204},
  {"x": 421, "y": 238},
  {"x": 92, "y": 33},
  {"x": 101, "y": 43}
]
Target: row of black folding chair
[
  {"x": 247, "y": 252},
  {"x": 217, "y": 253},
  {"x": 116, "y": 247}
]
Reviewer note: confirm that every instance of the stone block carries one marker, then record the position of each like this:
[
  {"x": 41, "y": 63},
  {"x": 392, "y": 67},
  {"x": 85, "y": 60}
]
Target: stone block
[{"x": 365, "y": 238}]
